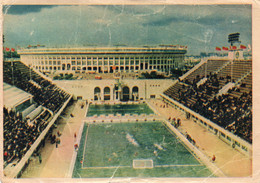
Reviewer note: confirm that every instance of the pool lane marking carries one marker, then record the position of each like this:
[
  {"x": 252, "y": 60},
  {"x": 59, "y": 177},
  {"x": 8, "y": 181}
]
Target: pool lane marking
[
  {"x": 85, "y": 146},
  {"x": 106, "y": 167},
  {"x": 178, "y": 165},
  {"x": 157, "y": 166}
]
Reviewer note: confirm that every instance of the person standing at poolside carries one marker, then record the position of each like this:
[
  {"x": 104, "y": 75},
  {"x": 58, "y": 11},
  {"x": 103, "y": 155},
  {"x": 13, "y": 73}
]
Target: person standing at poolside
[
  {"x": 214, "y": 158},
  {"x": 57, "y": 142},
  {"x": 40, "y": 158}
]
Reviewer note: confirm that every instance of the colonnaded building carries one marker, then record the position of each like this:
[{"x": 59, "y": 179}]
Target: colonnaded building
[{"x": 104, "y": 59}]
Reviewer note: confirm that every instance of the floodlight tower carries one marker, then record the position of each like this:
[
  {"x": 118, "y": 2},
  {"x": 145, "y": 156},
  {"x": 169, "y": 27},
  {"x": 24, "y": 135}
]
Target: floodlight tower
[{"x": 233, "y": 38}]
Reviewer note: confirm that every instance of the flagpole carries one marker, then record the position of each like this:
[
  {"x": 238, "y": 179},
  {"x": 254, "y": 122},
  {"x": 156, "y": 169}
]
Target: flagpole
[
  {"x": 206, "y": 68},
  {"x": 30, "y": 72},
  {"x": 232, "y": 70},
  {"x": 12, "y": 63},
  {"x": 232, "y": 61}
]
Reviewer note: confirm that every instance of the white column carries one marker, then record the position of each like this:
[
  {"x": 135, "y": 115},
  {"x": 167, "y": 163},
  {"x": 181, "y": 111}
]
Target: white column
[
  {"x": 102, "y": 93},
  {"x": 111, "y": 93},
  {"x": 124, "y": 64},
  {"x": 134, "y": 62}
]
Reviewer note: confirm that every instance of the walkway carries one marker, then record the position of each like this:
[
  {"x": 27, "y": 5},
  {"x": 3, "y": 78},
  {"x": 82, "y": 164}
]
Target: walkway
[
  {"x": 56, "y": 161},
  {"x": 227, "y": 159}
]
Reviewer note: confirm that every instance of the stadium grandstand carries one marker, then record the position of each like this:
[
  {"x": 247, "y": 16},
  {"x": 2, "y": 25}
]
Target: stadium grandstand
[
  {"x": 32, "y": 104},
  {"x": 218, "y": 94}
]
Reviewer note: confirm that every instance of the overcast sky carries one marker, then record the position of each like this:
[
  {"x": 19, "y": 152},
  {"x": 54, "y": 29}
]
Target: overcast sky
[{"x": 201, "y": 28}]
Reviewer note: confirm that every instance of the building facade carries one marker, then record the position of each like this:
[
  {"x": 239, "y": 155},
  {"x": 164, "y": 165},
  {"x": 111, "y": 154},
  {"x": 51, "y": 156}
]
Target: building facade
[
  {"x": 104, "y": 59},
  {"x": 115, "y": 90}
]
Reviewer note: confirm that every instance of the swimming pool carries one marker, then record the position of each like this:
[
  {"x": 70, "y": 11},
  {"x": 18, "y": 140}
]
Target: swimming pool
[
  {"x": 107, "y": 149},
  {"x": 106, "y": 109}
]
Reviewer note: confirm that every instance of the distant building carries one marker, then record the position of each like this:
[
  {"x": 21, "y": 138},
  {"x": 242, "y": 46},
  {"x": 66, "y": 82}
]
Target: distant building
[
  {"x": 104, "y": 59},
  {"x": 210, "y": 54}
]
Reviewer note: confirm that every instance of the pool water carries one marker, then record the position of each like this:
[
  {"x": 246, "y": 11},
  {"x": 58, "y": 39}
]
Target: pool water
[
  {"x": 115, "y": 109},
  {"x": 106, "y": 150}
]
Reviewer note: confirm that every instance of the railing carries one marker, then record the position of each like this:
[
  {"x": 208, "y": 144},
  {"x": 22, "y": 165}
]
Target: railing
[
  {"x": 193, "y": 69},
  {"x": 28, "y": 110},
  {"x": 12, "y": 59}
]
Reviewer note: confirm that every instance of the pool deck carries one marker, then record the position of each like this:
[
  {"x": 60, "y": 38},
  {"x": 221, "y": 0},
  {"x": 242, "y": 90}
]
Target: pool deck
[
  {"x": 231, "y": 162},
  {"x": 56, "y": 162}
]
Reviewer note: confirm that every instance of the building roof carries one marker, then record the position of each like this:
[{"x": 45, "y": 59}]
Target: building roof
[
  {"x": 171, "y": 49},
  {"x": 14, "y": 96}
]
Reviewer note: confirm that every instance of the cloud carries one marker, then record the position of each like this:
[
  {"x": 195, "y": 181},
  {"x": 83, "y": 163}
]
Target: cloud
[
  {"x": 134, "y": 10},
  {"x": 198, "y": 27},
  {"x": 164, "y": 21},
  {"x": 24, "y": 9},
  {"x": 203, "y": 15}
]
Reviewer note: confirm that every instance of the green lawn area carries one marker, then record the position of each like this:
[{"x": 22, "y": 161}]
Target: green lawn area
[
  {"x": 109, "y": 148},
  {"x": 118, "y": 109}
]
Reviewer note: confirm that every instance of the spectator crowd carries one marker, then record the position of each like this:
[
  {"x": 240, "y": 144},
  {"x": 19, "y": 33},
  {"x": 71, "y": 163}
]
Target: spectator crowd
[
  {"x": 45, "y": 93},
  {"x": 19, "y": 133},
  {"x": 226, "y": 110}
]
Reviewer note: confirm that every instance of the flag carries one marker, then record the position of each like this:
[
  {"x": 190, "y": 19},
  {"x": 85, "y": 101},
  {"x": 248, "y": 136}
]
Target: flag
[
  {"x": 12, "y": 50},
  {"x": 242, "y": 47},
  {"x": 233, "y": 47},
  {"x": 224, "y": 48},
  {"x": 7, "y": 49},
  {"x": 218, "y": 48}
]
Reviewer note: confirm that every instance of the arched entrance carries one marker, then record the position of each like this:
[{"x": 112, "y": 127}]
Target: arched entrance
[
  {"x": 111, "y": 69},
  {"x": 126, "y": 93},
  {"x": 97, "y": 93},
  {"x": 106, "y": 93},
  {"x": 135, "y": 93}
]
